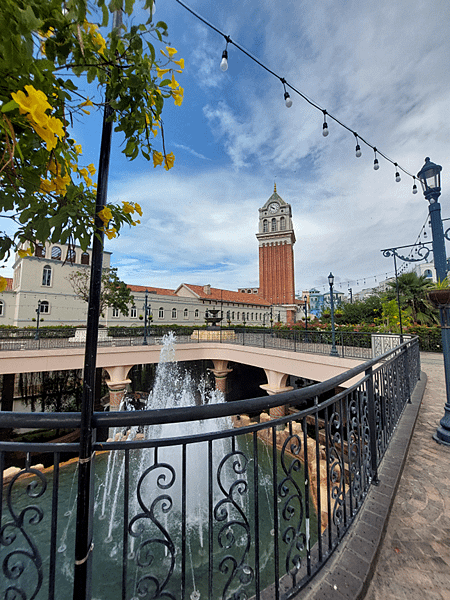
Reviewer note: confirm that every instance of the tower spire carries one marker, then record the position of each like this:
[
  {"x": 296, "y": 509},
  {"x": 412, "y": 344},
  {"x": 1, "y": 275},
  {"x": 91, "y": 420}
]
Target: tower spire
[{"x": 275, "y": 188}]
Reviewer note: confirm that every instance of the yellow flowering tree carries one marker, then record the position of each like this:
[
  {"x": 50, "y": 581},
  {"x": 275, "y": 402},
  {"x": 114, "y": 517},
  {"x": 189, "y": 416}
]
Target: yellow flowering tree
[{"x": 48, "y": 50}]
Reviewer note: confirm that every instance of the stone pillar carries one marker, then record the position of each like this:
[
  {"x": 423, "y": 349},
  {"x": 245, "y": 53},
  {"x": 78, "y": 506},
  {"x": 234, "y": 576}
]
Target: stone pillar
[
  {"x": 276, "y": 385},
  {"x": 221, "y": 371},
  {"x": 117, "y": 385}
]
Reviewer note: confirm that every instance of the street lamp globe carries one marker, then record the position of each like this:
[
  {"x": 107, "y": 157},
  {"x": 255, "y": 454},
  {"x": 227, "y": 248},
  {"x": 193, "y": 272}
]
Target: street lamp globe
[
  {"x": 430, "y": 178},
  {"x": 331, "y": 279}
]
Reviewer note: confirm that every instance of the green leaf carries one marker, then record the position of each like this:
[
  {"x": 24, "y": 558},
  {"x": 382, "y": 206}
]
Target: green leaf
[{"x": 11, "y": 105}]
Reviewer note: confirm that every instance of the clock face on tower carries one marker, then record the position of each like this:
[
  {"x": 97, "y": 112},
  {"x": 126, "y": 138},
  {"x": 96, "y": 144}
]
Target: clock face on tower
[{"x": 273, "y": 207}]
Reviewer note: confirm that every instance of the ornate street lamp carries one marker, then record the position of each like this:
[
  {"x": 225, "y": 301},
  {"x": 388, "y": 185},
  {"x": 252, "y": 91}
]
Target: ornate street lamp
[
  {"x": 305, "y": 300},
  {"x": 430, "y": 178},
  {"x": 38, "y": 316},
  {"x": 334, "y": 351}
]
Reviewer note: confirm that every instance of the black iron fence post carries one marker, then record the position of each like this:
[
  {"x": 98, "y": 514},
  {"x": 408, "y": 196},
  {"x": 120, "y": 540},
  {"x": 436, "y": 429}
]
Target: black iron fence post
[
  {"x": 372, "y": 426},
  {"x": 83, "y": 534}
]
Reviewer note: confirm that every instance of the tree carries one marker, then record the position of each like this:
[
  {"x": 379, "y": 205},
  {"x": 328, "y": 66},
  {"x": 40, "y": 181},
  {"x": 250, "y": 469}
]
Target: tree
[
  {"x": 413, "y": 297},
  {"x": 48, "y": 50},
  {"x": 114, "y": 292}
]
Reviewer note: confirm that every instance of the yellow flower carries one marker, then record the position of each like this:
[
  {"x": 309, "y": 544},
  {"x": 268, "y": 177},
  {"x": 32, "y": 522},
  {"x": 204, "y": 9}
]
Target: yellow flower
[
  {"x": 105, "y": 215},
  {"x": 171, "y": 51},
  {"x": 92, "y": 169},
  {"x": 173, "y": 84},
  {"x": 127, "y": 208},
  {"x": 35, "y": 103},
  {"x": 178, "y": 96},
  {"x": 111, "y": 233},
  {"x": 3, "y": 284},
  {"x": 157, "y": 158},
  {"x": 169, "y": 159},
  {"x": 161, "y": 72},
  {"x": 180, "y": 62},
  {"x": 78, "y": 148},
  {"x": 27, "y": 252},
  {"x": 138, "y": 209},
  {"x": 87, "y": 102}
]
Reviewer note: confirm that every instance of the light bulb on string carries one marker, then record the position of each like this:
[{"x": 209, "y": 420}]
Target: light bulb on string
[
  {"x": 414, "y": 189},
  {"x": 358, "y": 148},
  {"x": 325, "y": 124},
  {"x": 376, "y": 164},
  {"x": 287, "y": 100},
  {"x": 397, "y": 174},
  {"x": 224, "y": 61}
]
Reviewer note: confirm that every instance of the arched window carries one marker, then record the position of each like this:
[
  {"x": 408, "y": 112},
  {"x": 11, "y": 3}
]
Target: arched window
[
  {"x": 47, "y": 276},
  {"x": 161, "y": 312},
  {"x": 133, "y": 312},
  {"x": 39, "y": 250},
  {"x": 174, "y": 313},
  {"x": 238, "y": 316},
  {"x": 56, "y": 253},
  {"x": 265, "y": 226},
  {"x": 45, "y": 307},
  {"x": 232, "y": 315},
  {"x": 274, "y": 224},
  {"x": 427, "y": 273},
  {"x": 85, "y": 258},
  {"x": 252, "y": 317},
  {"x": 2, "y": 308},
  {"x": 186, "y": 313},
  {"x": 196, "y": 314},
  {"x": 283, "y": 223},
  {"x": 70, "y": 257}
]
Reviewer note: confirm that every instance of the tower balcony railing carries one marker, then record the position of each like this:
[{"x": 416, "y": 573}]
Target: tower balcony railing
[{"x": 201, "y": 502}]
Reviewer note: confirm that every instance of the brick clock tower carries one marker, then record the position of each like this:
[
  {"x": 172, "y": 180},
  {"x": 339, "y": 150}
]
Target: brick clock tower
[{"x": 276, "y": 239}]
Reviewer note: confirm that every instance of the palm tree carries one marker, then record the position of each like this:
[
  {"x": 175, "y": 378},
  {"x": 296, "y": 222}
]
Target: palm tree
[{"x": 413, "y": 297}]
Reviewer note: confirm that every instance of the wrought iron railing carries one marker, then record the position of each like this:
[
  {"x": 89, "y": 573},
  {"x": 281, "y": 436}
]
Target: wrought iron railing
[
  {"x": 254, "y": 511},
  {"x": 348, "y": 344}
]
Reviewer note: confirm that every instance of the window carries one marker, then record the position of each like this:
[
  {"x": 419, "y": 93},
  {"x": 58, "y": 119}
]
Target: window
[
  {"x": 70, "y": 255},
  {"x": 238, "y": 316},
  {"x": 133, "y": 312},
  {"x": 56, "y": 253},
  {"x": 265, "y": 226},
  {"x": 186, "y": 313},
  {"x": 428, "y": 273},
  {"x": 2, "y": 308},
  {"x": 85, "y": 258},
  {"x": 39, "y": 250},
  {"x": 115, "y": 313},
  {"x": 174, "y": 313},
  {"x": 45, "y": 307},
  {"x": 161, "y": 312},
  {"x": 252, "y": 317},
  {"x": 274, "y": 224},
  {"x": 283, "y": 223},
  {"x": 47, "y": 276},
  {"x": 232, "y": 315},
  {"x": 196, "y": 314}
]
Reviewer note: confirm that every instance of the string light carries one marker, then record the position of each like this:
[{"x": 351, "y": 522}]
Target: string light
[
  {"x": 414, "y": 190},
  {"x": 376, "y": 164},
  {"x": 287, "y": 98},
  {"x": 397, "y": 174},
  {"x": 359, "y": 139},
  {"x": 358, "y": 148},
  {"x": 325, "y": 124}
]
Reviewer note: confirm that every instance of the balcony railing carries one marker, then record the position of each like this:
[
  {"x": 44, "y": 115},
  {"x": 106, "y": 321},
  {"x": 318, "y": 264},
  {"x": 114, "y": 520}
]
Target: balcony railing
[
  {"x": 359, "y": 345},
  {"x": 252, "y": 506}
]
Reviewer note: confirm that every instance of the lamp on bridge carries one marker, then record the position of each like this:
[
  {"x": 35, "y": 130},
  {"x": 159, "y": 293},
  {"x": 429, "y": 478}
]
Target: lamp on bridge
[
  {"x": 305, "y": 308},
  {"x": 334, "y": 351},
  {"x": 146, "y": 308},
  {"x": 38, "y": 316},
  {"x": 430, "y": 178}
]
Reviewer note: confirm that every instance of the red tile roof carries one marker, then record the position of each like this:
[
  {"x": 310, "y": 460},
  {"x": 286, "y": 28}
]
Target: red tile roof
[
  {"x": 226, "y": 295},
  {"x": 151, "y": 290}
]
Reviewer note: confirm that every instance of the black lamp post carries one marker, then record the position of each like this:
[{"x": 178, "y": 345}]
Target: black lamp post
[
  {"x": 38, "y": 316},
  {"x": 271, "y": 321},
  {"x": 145, "y": 343},
  {"x": 305, "y": 305},
  {"x": 334, "y": 351},
  {"x": 430, "y": 178}
]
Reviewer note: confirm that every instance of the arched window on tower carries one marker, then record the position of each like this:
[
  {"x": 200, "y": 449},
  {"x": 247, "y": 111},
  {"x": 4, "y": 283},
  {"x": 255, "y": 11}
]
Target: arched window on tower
[
  {"x": 274, "y": 224},
  {"x": 85, "y": 258},
  {"x": 56, "y": 253},
  {"x": 283, "y": 223},
  {"x": 71, "y": 255},
  {"x": 265, "y": 226},
  {"x": 39, "y": 250}
]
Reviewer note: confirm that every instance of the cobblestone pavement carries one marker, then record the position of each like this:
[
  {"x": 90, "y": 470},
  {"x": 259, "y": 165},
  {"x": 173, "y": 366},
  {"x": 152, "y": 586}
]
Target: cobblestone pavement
[{"x": 414, "y": 560}]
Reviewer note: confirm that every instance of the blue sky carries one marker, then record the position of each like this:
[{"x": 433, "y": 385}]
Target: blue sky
[{"x": 379, "y": 67}]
